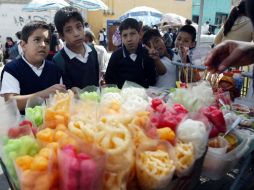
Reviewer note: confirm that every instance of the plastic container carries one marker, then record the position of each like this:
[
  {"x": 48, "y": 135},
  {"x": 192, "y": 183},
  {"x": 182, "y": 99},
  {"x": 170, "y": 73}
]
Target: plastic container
[{"x": 216, "y": 165}]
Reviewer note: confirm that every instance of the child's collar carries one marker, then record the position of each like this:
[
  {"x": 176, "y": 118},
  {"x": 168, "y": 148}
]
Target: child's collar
[{"x": 126, "y": 53}]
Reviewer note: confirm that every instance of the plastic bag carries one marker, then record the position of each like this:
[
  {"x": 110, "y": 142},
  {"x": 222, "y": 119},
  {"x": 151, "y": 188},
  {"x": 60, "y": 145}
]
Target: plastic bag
[
  {"x": 34, "y": 111},
  {"x": 155, "y": 165},
  {"x": 38, "y": 172},
  {"x": 81, "y": 166},
  {"x": 91, "y": 93}
]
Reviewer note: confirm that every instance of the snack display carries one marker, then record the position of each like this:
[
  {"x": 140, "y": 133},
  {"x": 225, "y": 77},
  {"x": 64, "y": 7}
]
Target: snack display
[{"x": 114, "y": 139}]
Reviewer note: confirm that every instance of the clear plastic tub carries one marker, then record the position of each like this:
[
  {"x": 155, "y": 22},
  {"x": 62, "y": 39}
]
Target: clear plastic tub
[{"x": 216, "y": 165}]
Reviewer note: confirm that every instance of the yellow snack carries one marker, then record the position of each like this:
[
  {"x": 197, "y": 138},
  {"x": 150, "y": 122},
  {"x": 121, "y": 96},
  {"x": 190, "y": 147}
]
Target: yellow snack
[
  {"x": 39, "y": 163},
  {"x": 184, "y": 157},
  {"x": 45, "y": 152},
  {"x": 166, "y": 134},
  {"x": 46, "y": 135},
  {"x": 24, "y": 162},
  {"x": 154, "y": 169}
]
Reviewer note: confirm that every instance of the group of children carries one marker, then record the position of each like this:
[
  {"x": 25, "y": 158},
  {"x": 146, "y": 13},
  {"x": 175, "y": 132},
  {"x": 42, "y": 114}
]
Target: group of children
[{"x": 76, "y": 66}]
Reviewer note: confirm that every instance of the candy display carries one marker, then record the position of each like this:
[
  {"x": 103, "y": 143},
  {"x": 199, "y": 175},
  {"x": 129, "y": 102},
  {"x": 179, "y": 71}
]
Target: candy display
[{"x": 113, "y": 139}]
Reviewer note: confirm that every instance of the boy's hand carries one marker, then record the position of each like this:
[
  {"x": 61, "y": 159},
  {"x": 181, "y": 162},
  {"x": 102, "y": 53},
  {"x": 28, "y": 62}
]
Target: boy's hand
[
  {"x": 153, "y": 53},
  {"x": 51, "y": 90}
]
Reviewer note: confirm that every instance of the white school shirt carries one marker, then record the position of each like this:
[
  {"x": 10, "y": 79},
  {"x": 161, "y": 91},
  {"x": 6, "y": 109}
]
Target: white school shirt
[
  {"x": 11, "y": 85},
  {"x": 80, "y": 57},
  {"x": 168, "y": 80}
]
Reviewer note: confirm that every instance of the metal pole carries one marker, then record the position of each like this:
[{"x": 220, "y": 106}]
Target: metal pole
[{"x": 201, "y": 9}]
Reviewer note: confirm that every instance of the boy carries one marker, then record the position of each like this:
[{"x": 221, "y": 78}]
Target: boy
[
  {"x": 153, "y": 39},
  {"x": 131, "y": 62},
  {"x": 77, "y": 60},
  {"x": 184, "y": 44},
  {"x": 31, "y": 75}
]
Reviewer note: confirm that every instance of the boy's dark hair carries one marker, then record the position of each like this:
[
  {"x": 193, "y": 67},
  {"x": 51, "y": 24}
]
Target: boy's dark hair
[
  {"x": 64, "y": 15},
  {"x": 129, "y": 23},
  {"x": 30, "y": 27},
  {"x": 18, "y": 35},
  {"x": 190, "y": 30},
  {"x": 150, "y": 34}
]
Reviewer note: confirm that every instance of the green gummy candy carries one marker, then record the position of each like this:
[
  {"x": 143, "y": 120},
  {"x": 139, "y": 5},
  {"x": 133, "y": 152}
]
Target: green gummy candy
[
  {"x": 93, "y": 96},
  {"x": 111, "y": 89}
]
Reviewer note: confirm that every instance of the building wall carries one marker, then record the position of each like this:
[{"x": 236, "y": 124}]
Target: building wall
[
  {"x": 12, "y": 19},
  {"x": 119, "y": 7},
  {"x": 210, "y": 9}
]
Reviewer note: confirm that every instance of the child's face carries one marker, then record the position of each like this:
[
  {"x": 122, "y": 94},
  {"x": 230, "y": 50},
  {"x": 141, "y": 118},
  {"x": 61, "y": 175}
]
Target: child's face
[
  {"x": 36, "y": 48},
  {"x": 184, "y": 40},
  {"x": 159, "y": 45},
  {"x": 130, "y": 39},
  {"x": 73, "y": 33}
]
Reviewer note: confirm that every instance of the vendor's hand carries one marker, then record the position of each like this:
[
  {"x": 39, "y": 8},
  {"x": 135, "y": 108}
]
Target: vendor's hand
[
  {"x": 51, "y": 90},
  {"x": 153, "y": 53},
  {"x": 230, "y": 53},
  {"x": 75, "y": 90}
]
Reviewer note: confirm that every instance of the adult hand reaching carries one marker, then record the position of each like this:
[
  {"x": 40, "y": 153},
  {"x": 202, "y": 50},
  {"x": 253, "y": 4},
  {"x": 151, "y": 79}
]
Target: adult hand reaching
[{"x": 230, "y": 54}]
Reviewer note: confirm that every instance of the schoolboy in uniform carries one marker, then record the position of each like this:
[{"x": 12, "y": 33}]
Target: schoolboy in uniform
[
  {"x": 77, "y": 60},
  {"x": 31, "y": 75},
  {"x": 153, "y": 39},
  {"x": 185, "y": 43},
  {"x": 133, "y": 62}
]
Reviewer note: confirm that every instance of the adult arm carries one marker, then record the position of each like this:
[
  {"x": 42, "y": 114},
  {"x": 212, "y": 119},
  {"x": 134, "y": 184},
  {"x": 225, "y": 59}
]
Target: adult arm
[
  {"x": 230, "y": 54},
  {"x": 218, "y": 37}
]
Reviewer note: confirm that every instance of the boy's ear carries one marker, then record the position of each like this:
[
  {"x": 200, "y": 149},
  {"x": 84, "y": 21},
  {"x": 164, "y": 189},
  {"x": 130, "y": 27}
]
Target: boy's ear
[{"x": 23, "y": 44}]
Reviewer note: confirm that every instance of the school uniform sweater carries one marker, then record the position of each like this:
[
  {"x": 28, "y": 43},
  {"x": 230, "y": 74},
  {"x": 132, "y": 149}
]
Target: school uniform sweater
[
  {"x": 122, "y": 68},
  {"x": 28, "y": 80},
  {"x": 76, "y": 73}
]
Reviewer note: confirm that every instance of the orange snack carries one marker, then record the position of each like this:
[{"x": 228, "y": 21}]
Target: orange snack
[
  {"x": 39, "y": 163},
  {"x": 166, "y": 134},
  {"x": 45, "y": 135},
  {"x": 24, "y": 162}
]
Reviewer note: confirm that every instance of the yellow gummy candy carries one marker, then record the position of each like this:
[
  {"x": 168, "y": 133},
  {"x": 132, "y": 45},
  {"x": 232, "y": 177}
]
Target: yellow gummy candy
[
  {"x": 24, "y": 162},
  {"x": 166, "y": 134},
  {"x": 39, "y": 163},
  {"x": 45, "y": 135}
]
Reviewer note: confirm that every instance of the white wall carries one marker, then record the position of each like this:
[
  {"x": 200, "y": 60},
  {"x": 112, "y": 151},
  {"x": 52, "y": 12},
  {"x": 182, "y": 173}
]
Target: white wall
[{"x": 12, "y": 19}]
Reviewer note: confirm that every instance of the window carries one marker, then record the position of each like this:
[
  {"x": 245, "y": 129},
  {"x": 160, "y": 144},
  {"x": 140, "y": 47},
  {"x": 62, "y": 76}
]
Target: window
[
  {"x": 195, "y": 18},
  {"x": 220, "y": 18}
]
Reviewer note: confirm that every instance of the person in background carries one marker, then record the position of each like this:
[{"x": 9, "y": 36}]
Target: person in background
[
  {"x": 54, "y": 43},
  {"x": 16, "y": 51},
  {"x": 238, "y": 26},
  {"x": 168, "y": 38},
  {"x": 86, "y": 26},
  {"x": 188, "y": 22},
  {"x": 133, "y": 62},
  {"x": 116, "y": 38},
  {"x": 153, "y": 39},
  {"x": 8, "y": 44},
  {"x": 102, "y": 54},
  {"x": 101, "y": 38},
  {"x": 105, "y": 37},
  {"x": 143, "y": 30},
  {"x": 31, "y": 75},
  {"x": 77, "y": 60}
]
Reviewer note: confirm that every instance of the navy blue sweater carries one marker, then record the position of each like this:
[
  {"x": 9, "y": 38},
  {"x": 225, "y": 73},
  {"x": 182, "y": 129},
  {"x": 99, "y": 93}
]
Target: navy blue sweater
[
  {"x": 29, "y": 82},
  {"x": 76, "y": 73},
  {"x": 122, "y": 68}
]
